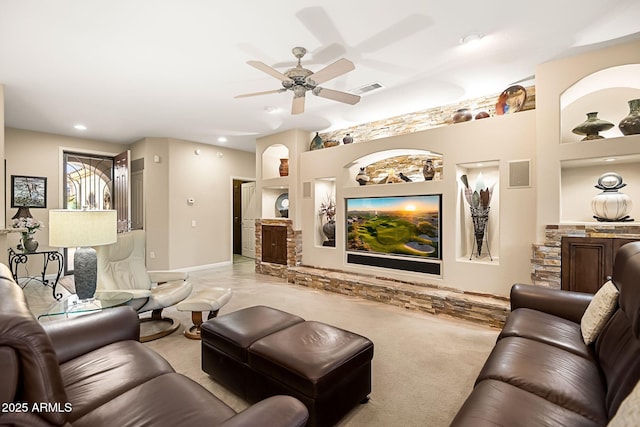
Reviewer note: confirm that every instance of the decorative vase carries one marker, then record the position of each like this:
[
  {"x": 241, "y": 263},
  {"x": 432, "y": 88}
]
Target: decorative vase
[
  {"x": 283, "y": 169},
  {"x": 331, "y": 143},
  {"x": 611, "y": 204},
  {"x": 591, "y": 127},
  {"x": 29, "y": 243},
  {"x": 428, "y": 171},
  {"x": 348, "y": 139},
  {"x": 482, "y": 115},
  {"x": 480, "y": 217},
  {"x": 630, "y": 125},
  {"x": 362, "y": 177},
  {"x": 462, "y": 115},
  {"x": 316, "y": 143},
  {"x": 329, "y": 229}
]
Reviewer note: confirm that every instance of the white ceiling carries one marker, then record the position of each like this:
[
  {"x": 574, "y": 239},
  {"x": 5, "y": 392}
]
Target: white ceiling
[{"x": 128, "y": 69}]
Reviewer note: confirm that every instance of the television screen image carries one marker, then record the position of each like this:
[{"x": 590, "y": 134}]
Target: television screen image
[{"x": 400, "y": 225}]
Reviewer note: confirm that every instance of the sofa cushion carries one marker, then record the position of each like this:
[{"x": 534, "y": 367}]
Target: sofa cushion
[
  {"x": 495, "y": 403},
  {"x": 617, "y": 352},
  {"x": 629, "y": 411},
  {"x": 96, "y": 377},
  {"x": 546, "y": 328},
  {"x": 598, "y": 312},
  {"x": 167, "y": 400},
  {"x": 556, "y": 375}
]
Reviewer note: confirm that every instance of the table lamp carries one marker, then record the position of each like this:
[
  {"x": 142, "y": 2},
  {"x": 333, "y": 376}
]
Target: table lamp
[{"x": 83, "y": 229}]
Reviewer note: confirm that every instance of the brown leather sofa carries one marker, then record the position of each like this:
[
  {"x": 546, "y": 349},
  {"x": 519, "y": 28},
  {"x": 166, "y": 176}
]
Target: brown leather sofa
[
  {"x": 92, "y": 371},
  {"x": 541, "y": 373}
]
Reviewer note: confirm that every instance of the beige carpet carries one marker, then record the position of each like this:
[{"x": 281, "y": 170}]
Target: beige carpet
[{"x": 423, "y": 367}]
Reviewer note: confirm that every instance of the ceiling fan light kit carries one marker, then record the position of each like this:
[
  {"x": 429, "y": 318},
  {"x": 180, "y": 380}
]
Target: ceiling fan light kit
[{"x": 300, "y": 80}]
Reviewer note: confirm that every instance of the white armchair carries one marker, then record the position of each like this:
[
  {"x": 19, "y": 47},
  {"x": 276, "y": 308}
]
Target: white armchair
[{"x": 121, "y": 267}]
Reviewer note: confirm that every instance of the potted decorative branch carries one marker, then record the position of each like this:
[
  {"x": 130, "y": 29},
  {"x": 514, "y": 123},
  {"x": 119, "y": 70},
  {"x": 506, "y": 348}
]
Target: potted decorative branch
[
  {"x": 327, "y": 214},
  {"x": 478, "y": 201}
]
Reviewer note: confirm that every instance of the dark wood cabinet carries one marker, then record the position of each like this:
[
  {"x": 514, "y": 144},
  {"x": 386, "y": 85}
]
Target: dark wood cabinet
[
  {"x": 587, "y": 262},
  {"x": 274, "y": 244}
]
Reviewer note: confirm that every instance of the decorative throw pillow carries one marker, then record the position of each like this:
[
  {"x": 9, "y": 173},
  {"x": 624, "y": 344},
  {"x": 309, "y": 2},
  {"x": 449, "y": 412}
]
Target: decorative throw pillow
[
  {"x": 629, "y": 411},
  {"x": 600, "y": 309}
]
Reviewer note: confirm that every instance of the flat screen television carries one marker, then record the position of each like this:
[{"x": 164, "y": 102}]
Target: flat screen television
[{"x": 398, "y": 226}]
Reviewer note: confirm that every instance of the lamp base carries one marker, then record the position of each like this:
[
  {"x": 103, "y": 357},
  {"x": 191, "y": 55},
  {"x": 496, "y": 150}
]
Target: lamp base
[{"x": 85, "y": 266}]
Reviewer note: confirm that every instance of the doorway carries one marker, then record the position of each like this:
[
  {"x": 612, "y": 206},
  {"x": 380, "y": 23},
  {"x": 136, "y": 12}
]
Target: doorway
[{"x": 244, "y": 207}]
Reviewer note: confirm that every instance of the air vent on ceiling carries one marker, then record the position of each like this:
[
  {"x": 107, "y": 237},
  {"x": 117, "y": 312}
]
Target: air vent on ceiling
[{"x": 367, "y": 88}]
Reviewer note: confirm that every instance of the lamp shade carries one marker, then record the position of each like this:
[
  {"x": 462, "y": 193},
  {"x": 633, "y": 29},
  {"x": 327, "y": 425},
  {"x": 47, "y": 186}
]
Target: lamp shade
[{"x": 80, "y": 228}]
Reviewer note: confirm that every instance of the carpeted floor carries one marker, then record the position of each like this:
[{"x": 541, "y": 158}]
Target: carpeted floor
[{"x": 423, "y": 367}]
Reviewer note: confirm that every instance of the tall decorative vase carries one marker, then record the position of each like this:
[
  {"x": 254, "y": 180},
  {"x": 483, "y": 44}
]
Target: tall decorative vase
[
  {"x": 480, "y": 217},
  {"x": 329, "y": 230},
  {"x": 284, "y": 167},
  {"x": 29, "y": 244},
  {"x": 630, "y": 125},
  {"x": 316, "y": 143}
]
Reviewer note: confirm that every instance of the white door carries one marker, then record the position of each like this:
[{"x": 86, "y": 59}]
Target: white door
[{"x": 249, "y": 219}]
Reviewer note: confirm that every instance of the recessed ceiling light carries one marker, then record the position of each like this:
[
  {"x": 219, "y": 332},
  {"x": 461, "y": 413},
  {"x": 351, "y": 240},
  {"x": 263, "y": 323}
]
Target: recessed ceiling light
[
  {"x": 79, "y": 127},
  {"x": 222, "y": 139},
  {"x": 271, "y": 109},
  {"x": 471, "y": 38}
]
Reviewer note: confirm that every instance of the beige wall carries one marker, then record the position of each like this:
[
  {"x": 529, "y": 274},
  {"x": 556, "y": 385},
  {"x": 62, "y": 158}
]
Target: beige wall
[
  {"x": 179, "y": 174},
  {"x": 40, "y": 154},
  {"x": 3, "y": 238}
]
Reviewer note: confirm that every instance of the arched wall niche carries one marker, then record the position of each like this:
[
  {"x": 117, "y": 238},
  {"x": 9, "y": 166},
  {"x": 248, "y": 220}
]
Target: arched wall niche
[
  {"x": 271, "y": 160},
  {"x": 606, "y": 92}
]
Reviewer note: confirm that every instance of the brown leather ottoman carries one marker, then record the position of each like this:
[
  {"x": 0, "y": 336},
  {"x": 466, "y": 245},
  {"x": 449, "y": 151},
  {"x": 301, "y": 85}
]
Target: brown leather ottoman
[
  {"x": 225, "y": 340},
  {"x": 327, "y": 368}
]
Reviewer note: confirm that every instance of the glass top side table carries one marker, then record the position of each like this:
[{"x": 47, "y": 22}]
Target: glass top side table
[{"x": 73, "y": 306}]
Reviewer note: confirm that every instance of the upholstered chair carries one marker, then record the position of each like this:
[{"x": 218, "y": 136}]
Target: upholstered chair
[{"x": 121, "y": 268}]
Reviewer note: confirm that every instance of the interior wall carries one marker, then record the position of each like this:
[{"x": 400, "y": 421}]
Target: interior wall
[
  {"x": 40, "y": 154},
  {"x": 498, "y": 140},
  {"x": 3, "y": 237}
]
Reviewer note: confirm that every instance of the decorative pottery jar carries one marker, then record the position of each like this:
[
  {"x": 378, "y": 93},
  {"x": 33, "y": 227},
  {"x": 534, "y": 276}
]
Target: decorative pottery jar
[
  {"x": 316, "y": 143},
  {"x": 428, "y": 171},
  {"x": 331, "y": 143},
  {"x": 630, "y": 125},
  {"x": 611, "y": 204},
  {"x": 362, "y": 177},
  {"x": 283, "y": 169},
  {"x": 462, "y": 115},
  {"x": 29, "y": 244},
  {"x": 591, "y": 127},
  {"x": 482, "y": 115},
  {"x": 348, "y": 139}
]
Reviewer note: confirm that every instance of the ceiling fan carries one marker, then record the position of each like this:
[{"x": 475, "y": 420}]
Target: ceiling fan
[{"x": 299, "y": 80}]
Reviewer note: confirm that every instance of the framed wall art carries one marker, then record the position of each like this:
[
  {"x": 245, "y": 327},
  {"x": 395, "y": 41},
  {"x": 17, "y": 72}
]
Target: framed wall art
[{"x": 28, "y": 191}]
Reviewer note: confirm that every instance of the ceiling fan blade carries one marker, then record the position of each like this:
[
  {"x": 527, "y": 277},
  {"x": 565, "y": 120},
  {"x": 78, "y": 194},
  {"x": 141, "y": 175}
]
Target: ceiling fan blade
[
  {"x": 298, "y": 105},
  {"x": 271, "y": 71},
  {"x": 338, "y": 68},
  {"x": 246, "y": 95},
  {"x": 336, "y": 95}
]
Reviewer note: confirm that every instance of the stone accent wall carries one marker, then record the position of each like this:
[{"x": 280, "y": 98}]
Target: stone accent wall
[
  {"x": 294, "y": 248},
  {"x": 422, "y": 120},
  {"x": 488, "y": 310},
  {"x": 546, "y": 258}
]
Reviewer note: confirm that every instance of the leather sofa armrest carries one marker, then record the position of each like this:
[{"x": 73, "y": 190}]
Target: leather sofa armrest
[
  {"x": 566, "y": 304},
  {"x": 275, "y": 411},
  {"x": 74, "y": 337}
]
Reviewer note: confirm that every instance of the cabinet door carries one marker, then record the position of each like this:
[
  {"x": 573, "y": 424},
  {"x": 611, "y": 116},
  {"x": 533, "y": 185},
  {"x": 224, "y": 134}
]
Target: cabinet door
[
  {"x": 586, "y": 263},
  {"x": 274, "y": 244}
]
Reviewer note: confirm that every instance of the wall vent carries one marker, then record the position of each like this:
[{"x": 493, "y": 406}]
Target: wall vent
[{"x": 367, "y": 88}]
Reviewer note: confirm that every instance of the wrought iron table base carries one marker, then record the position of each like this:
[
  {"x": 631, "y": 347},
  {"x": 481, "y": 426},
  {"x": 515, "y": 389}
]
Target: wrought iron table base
[{"x": 17, "y": 258}]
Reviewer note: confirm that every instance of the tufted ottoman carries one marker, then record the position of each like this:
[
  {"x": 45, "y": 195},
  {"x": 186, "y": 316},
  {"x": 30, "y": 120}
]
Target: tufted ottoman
[{"x": 260, "y": 351}]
